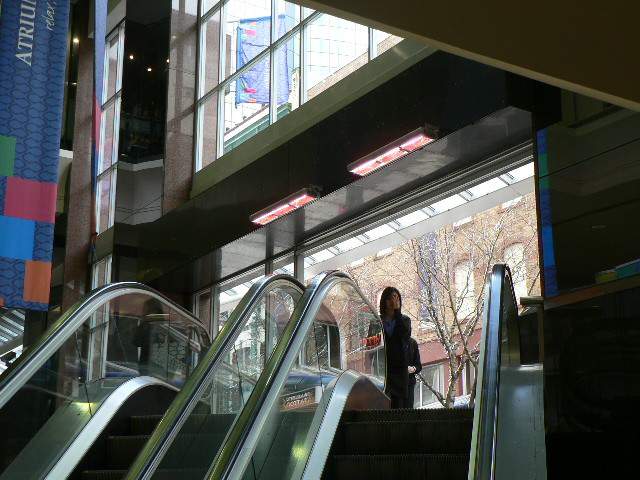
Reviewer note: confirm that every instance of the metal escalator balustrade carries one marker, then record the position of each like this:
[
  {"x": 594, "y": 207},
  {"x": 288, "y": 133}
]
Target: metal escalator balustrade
[
  {"x": 275, "y": 432},
  {"x": 436, "y": 443},
  {"x": 118, "y": 333},
  {"x": 335, "y": 438},
  {"x": 499, "y": 346},
  {"x": 197, "y": 423}
]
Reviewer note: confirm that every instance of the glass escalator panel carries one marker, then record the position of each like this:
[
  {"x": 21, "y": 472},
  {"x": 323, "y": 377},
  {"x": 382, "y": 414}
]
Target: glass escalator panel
[
  {"x": 341, "y": 331},
  {"x": 53, "y": 390},
  {"x": 229, "y": 383}
]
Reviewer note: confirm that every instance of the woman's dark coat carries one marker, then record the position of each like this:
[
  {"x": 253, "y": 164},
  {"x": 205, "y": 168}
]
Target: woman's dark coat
[{"x": 396, "y": 346}]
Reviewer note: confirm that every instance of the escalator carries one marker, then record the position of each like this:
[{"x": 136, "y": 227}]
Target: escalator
[
  {"x": 85, "y": 398},
  {"x": 416, "y": 444},
  {"x": 290, "y": 388},
  {"x": 317, "y": 410}
]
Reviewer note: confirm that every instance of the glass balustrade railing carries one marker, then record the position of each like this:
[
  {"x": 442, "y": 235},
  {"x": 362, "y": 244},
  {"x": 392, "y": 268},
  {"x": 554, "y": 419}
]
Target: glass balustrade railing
[
  {"x": 334, "y": 329},
  {"x": 50, "y": 393},
  {"x": 199, "y": 420}
]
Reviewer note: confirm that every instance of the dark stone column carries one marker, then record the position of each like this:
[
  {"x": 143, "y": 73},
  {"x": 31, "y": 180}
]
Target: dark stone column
[
  {"x": 178, "y": 163},
  {"x": 76, "y": 266}
]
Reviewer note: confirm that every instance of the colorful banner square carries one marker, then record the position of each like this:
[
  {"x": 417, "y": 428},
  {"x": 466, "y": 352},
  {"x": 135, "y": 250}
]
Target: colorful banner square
[
  {"x": 7, "y": 155},
  {"x": 31, "y": 93}
]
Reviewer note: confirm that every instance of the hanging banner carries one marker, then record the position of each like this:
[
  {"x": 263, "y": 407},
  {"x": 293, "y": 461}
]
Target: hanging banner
[
  {"x": 33, "y": 46},
  {"x": 253, "y": 37}
]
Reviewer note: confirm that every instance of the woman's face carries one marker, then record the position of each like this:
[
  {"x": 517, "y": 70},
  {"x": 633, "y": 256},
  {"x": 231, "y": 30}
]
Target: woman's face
[{"x": 392, "y": 302}]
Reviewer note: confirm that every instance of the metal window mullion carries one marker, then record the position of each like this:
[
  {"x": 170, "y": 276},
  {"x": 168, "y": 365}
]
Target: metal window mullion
[
  {"x": 211, "y": 12},
  {"x": 222, "y": 50},
  {"x": 273, "y": 95},
  {"x": 372, "y": 50},
  {"x": 303, "y": 64},
  {"x": 222, "y": 54},
  {"x": 120, "y": 58},
  {"x": 116, "y": 129},
  {"x": 220, "y": 122},
  {"x": 272, "y": 66}
]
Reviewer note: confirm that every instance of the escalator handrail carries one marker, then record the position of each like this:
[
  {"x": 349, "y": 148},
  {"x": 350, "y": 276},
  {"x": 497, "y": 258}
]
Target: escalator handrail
[
  {"x": 275, "y": 372},
  {"x": 50, "y": 342},
  {"x": 485, "y": 425},
  {"x": 154, "y": 450}
]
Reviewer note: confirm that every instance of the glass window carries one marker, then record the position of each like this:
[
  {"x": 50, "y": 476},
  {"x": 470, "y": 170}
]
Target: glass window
[
  {"x": 210, "y": 47},
  {"x": 101, "y": 272},
  {"x": 286, "y": 76},
  {"x": 109, "y": 128},
  {"x": 487, "y": 187},
  {"x": 411, "y": 219},
  {"x": 334, "y": 48},
  {"x": 447, "y": 204},
  {"x": 207, "y": 131},
  {"x": 247, "y": 32},
  {"x": 203, "y": 307},
  {"x": 383, "y": 41},
  {"x": 207, "y": 5},
  {"x": 521, "y": 173},
  {"x": 111, "y": 66},
  {"x": 434, "y": 376},
  {"x": 246, "y": 104},
  {"x": 377, "y": 232},
  {"x": 108, "y": 124},
  {"x": 287, "y": 16},
  {"x": 261, "y": 50},
  {"x": 465, "y": 289},
  {"x": 514, "y": 257}
]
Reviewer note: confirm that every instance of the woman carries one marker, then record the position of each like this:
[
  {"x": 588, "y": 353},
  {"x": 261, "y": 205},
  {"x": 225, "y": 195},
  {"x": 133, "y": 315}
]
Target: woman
[{"x": 396, "y": 329}]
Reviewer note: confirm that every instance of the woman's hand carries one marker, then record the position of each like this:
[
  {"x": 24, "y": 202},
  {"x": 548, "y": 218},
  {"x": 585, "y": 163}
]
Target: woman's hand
[{"x": 411, "y": 369}]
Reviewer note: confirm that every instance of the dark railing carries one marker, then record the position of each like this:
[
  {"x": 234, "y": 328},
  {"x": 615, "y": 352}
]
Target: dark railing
[{"x": 500, "y": 345}]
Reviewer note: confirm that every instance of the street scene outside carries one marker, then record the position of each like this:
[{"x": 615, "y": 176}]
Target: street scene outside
[{"x": 441, "y": 276}]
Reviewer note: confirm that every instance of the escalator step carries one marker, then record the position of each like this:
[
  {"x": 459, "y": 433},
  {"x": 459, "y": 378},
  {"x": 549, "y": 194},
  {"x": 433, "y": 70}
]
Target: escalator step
[
  {"x": 384, "y": 467},
  {"x": 404, "y": 437},
  {"x": 411, "y": 414},
  {"x": 145, "y": 424},
  {"x": 103, "y": 474},
  {"x": 123, "y": 449},
  {"x": 158, "y": 475}
]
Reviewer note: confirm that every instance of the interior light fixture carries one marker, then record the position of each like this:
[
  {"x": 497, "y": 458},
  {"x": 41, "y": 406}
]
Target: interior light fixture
[
  {"x": 76, "y": 40},
  {"x": 131, "y": 56},
  {"x": 391, "y": 152},
  {"x": 284, "y": 206},
  {"x": 148, "y": 69}
]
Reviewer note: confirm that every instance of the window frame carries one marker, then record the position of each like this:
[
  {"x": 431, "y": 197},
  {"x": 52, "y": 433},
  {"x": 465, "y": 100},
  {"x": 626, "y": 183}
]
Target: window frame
[
  {"x": 301, "y": 29},
  {"x": 114, "y": 100}
]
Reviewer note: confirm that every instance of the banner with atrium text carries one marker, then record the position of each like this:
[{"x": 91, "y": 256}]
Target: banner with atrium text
[{"x": 33, "y": 46}]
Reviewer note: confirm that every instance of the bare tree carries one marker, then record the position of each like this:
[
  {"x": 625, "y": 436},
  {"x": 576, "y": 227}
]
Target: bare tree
[
  {"x": 445, "y": 272},
  {"x": 452, "y": 266}
]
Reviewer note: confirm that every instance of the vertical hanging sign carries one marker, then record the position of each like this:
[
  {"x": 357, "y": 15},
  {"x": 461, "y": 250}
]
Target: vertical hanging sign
[{"x": 33, "y": 46}]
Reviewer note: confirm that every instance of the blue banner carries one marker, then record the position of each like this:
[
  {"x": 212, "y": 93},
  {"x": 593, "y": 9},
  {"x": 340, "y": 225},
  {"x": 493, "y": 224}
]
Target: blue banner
[
  {"x": 253, "y": 37},
  {"x": 33, "y": 46}
]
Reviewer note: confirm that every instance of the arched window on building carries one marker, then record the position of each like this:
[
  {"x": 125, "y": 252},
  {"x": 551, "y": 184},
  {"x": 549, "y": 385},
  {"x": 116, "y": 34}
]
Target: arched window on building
[
  {"x": 465, "y": 289},
  {"x": 514, "y": 257}
]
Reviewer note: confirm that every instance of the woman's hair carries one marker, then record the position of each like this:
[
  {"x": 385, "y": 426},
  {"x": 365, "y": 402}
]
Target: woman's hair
[{"x": 386, "y": 293}]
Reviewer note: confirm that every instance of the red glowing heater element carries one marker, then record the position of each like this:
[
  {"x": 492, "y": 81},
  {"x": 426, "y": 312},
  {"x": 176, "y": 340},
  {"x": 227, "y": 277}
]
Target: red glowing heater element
[
  {"x": 389, "y": 153},
  {"x": 286, "y": 205}
]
